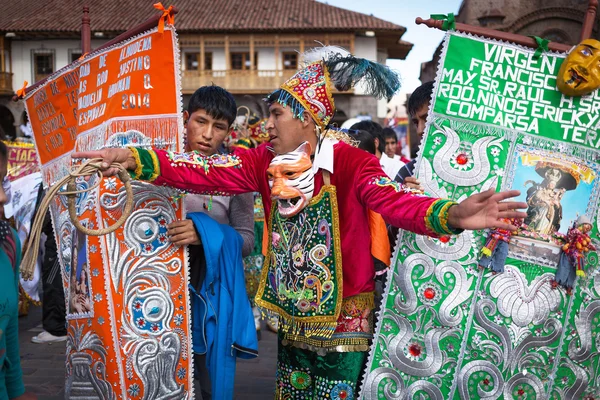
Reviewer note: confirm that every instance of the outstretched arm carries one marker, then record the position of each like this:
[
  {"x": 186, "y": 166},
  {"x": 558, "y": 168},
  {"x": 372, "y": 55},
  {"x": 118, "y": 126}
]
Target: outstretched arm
[
  {"x": 219, "y": 174},
  {"x": 425, "y": 215}
]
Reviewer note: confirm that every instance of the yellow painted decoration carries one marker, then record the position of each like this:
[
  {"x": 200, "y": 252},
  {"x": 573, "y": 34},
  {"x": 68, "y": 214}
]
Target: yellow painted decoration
[{"x": 580, "y": 72}]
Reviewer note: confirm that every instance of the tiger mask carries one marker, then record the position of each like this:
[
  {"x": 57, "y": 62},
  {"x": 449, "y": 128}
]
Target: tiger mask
[{"x": 292, "y": 180}]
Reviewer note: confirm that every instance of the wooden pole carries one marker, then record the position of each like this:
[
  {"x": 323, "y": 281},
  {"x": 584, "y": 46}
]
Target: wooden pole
[
  {"x": 494, "y": 34},
  {"x": 2, "y": 54},
  {"x": 252, "y": 56},
  {"x": 202, "y": 55},
  {"x": 86, "y": 32},
  {"x": 590, "y": 19}
]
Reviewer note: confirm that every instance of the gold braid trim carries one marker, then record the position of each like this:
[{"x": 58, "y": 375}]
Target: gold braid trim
[
  {"x": 428, "y": 216},
  {"x": 443, "y": 216},
  {"x": 156, "y": 168},
  {"x": 138, "y": 162},
  {"x": 306, "y": 105}
]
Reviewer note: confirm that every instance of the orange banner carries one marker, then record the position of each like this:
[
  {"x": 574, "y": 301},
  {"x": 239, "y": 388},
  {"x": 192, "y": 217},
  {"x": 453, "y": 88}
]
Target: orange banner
[
  {"x": 127, "y": 299},
  {"x": 128, "y": 81}
]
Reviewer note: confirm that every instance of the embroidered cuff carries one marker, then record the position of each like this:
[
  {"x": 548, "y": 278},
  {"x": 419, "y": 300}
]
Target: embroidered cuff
[
  {"x": 148, "y": 167},
  {"x": 436, "y": 218}
]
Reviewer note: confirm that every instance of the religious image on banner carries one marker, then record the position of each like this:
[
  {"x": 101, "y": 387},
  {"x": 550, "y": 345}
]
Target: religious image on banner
[
  {"x": 499, "y": 314},
  {"x": 80, "y": 298},
  {"x": 557, "y": 191}
]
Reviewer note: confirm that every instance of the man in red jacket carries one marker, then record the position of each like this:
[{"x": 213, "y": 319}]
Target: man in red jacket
[{"x": 317, "y": 190}]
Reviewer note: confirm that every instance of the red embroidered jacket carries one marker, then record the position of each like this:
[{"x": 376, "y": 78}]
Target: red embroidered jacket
[{"x": 360, "y": 183}]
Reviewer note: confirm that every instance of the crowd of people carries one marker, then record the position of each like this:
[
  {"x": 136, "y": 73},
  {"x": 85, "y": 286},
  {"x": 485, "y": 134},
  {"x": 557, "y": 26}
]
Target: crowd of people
[{"x": 322, "y": 282}]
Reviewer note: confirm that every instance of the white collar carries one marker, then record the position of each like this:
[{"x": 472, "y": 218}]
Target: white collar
[{"x": 324, "y": 156}]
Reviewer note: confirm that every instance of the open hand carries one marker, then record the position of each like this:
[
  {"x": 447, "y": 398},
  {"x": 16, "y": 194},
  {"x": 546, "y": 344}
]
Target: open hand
[
  {"x": 109, "y": 156},
  {"x": 183, "y": 233},
  {"x": 486, "y": 210}
]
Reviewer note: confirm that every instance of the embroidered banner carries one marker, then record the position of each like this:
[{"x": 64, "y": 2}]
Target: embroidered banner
[
  {"x": 22, "y": 160},
  {"x": 489, "y": 314},
  {"x": 126, "y": 292}
]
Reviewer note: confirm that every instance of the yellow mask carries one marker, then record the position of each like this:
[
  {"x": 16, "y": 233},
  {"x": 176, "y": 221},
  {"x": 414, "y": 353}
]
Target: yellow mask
[{"x": 580, "y": 72}]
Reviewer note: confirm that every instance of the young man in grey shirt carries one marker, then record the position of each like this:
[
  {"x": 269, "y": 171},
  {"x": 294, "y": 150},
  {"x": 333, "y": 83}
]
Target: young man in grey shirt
[{"x": 210, "y": 114}]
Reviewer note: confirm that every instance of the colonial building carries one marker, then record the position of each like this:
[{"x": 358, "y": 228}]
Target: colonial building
[{"x": 248, "y": 47}]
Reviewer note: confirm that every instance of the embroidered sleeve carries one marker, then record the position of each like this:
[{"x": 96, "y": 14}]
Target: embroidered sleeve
[
  {"x": 437, "y": 217},
  {"x": 400, "y": 206},
  {"x": 220, "y": 174},
  {"x": 148, "y": 167}
]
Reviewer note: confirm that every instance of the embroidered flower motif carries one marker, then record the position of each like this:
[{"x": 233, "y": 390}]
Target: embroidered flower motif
[
  {"x": 342, "y": 391},
  {"x": 181, "y": 372},
  {"x": 300, "y": 380},
  {"x": 110, "y": 184},
  {"x": 495, "y": 151},
  {"x": 430, "y": 293},
  {"x": 93, "y": 248},
  {"x": 383, "y": 181},
  {"x": 437, "y": 141},
  {"x": 95, "y": 272},
  {"x": 101, "y": 320},
  {"x": 498, "y": 171},
  {"x": 137, "y": 305},
  {"x": 141, "y": 322},
  {"x": 98, "y": 297},
  {"x": 387, "y": 327},
  {"x": 178, "y": 319},
  {"x": 134, "y": 390},
  {"x": 476, "y": 340},
  {"x": 498, "y": 319},
  {"x": 155, "y": 328},
  {"x": 303, "y": 305}
]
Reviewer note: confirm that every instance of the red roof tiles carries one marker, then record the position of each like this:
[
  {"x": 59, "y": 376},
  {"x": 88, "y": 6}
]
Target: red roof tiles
[{"x": 194, "y": 16}]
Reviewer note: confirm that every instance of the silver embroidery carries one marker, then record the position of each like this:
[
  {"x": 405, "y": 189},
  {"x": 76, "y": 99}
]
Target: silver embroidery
[{"x": 524, "y": 303}]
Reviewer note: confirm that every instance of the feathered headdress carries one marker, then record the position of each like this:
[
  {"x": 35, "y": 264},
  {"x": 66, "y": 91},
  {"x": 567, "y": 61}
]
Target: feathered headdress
[{"x": 310, "y": 88}]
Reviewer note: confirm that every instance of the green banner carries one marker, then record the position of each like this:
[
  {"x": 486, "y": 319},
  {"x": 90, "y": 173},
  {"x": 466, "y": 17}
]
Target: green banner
[
  {"x": 505, "y": 86},
  {"x": 490, "y": 314}
]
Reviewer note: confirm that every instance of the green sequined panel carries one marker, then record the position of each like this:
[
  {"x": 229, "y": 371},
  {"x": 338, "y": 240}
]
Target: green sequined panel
[{"x": 302, "y": 278}]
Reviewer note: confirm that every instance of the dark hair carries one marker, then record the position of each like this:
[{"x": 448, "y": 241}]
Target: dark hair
[
  {"x": 421, "y": 95},
  {"x": 3, "y": 152},
  {"x": 366, "y": 141},
  {"x": 216, "y": 101},
  {"x": 389, "y": 133},
  {"x": 374, "y": 129}
]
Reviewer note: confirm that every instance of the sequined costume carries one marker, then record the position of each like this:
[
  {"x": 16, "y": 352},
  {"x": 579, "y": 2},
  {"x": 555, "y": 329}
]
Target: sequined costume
[{"x": 318, "y": 274}]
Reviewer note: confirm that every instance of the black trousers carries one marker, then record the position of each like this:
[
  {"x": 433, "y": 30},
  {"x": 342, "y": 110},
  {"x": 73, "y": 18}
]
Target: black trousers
[{"x": 53, "y": 299}]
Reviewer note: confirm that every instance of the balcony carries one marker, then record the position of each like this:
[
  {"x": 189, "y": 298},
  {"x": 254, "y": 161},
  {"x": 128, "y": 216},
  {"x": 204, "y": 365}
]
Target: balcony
[
  {"x": 236, "y": 81},
  {"x": 6, "y": 83}
]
